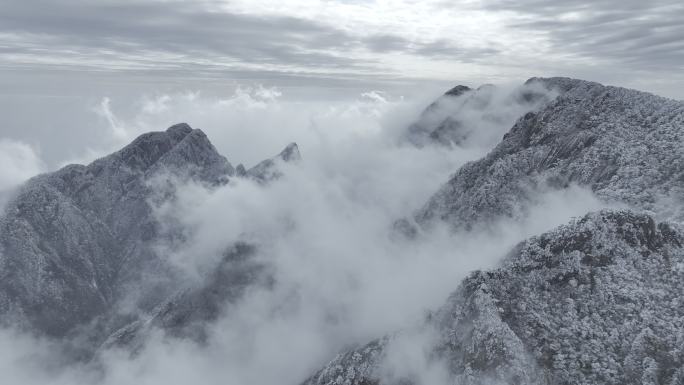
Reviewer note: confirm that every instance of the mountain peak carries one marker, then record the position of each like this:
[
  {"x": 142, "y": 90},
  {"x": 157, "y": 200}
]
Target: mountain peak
[
  {"x": 178, "y": 148},
  {"x": 528, "y": 320},
  {"x": 458, "y": 90},
  {"x": 290, "y": 153},
  {"x": 599, "y": 137},
  {"x": 267, "y": 170},
  {"x": 179, "y": 131}
]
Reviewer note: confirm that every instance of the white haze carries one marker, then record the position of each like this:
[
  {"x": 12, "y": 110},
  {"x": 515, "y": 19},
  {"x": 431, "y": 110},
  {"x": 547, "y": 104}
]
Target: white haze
[
  {"x": 341, "y": 277},
  {"x": 18, "y": 162}
]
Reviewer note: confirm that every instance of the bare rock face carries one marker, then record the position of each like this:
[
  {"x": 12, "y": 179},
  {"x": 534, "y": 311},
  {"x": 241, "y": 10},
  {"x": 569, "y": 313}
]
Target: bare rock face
[
  {"x": 625, "y": 145},
  {"x": 75, "y": 240},
  {"x": 597, "y": 301}
]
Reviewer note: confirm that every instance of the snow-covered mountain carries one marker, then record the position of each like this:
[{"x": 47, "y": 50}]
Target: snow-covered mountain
[
  {"x": 596, "y": 301},
  {"x": 626, "y": 146},
  {"x": 76, "y": 243}
]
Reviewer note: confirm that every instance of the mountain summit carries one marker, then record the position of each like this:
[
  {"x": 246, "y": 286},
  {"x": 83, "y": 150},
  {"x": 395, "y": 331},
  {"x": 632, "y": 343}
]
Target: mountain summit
[
  {"x": 598, "y": 301},
  {"x": 595, "y": 301},
  {"x": 624, "y": 145},
  {"x": 76, "y": 242}
]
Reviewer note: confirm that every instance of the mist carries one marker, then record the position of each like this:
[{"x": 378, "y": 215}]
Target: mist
[{"x": 340, "y": 275}]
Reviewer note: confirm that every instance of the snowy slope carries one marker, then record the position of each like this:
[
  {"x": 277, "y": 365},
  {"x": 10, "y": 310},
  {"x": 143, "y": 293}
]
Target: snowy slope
[
  {"x": 76, "y": 242},
  {"x": 597, "y": 301},
  {"x": 72, "y": 241},
  {"x": 625, "y": 145}
]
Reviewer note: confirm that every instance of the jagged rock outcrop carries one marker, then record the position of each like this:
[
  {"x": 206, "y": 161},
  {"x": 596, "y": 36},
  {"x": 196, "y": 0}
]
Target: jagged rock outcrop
[
  {"x": 626, "y": 146},
  {"x": 597, "y": 301}
]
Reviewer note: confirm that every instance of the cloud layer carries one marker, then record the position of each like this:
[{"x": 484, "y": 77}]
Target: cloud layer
[{"x": 328, "y": 43}]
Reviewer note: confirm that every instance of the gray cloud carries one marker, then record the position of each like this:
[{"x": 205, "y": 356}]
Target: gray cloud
[
  {"x": 443, "y": 48},
  {"x": 440, "y": 48},
  {"x": 645, "y": 35}
]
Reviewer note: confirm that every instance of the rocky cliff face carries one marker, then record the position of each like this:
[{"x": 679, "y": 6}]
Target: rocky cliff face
[
  {"x": 625, "y": 145},
  {"x": 597, "y": 301}
]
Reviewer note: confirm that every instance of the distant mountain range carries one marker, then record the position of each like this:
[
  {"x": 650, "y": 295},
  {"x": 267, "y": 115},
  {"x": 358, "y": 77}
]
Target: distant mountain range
[{"x": 597, "y": 301}]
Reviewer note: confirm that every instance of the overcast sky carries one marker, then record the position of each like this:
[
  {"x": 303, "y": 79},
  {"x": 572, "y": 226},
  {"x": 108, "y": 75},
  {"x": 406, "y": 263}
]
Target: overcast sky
[
  {"x": 58, "y": 58},
  {"x": 331, "y": 42}
]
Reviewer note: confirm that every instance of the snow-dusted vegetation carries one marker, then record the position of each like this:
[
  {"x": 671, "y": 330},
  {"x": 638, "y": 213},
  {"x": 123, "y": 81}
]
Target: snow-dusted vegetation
[{"x": 597, "y": 301}]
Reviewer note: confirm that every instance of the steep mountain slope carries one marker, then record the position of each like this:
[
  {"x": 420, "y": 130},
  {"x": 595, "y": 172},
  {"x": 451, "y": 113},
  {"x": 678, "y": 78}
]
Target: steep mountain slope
[
  {"x": 625, "y": 145},
  {"x": 76, "y": 243},
  {"x": 188, "y": 310},
  {"x": 597, "y": 301},
  {"x": 74, "y": 240}
]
